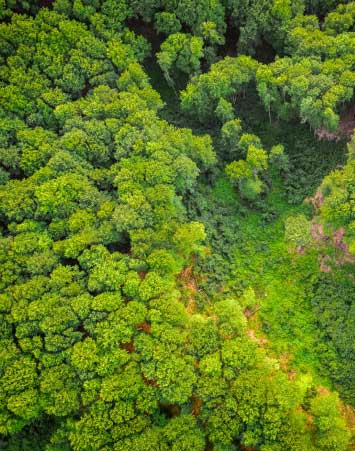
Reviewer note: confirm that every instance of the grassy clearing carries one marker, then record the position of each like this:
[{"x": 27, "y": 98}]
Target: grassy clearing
[
  {"x": 247, "y": 244},
  {"x": 280, "y": 279}
]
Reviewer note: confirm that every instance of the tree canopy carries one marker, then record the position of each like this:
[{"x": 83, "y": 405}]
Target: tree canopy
[{"x": 107, "y": 340}]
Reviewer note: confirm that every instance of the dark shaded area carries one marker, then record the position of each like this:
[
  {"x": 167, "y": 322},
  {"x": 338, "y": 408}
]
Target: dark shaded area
[
  {"x": 14, "y": 336},
  {"x": 45, "y": 3},
  {"x": 85, "y": 91},
  {"x": 146, "y": 29},
  {"x": 82, "y": 330},
  {"x": 33, "y": 437},
  {"x": 170, "y": 410},
  {"x": 69, "y": 262},
  {"x": 347, "y": 119},
  {"x": 123, "y": 246},
  {"x": 264, "y": 52},
  {"x": 310, "y": 158},
  {"x": 231, "y": 40}
]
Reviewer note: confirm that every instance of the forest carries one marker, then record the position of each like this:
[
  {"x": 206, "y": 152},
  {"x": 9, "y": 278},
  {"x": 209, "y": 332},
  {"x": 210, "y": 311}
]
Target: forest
[{"x": 177, "y": 225}]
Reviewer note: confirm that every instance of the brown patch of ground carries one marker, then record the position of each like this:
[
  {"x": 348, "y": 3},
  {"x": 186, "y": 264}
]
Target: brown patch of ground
[
  {"x": 145, "y": 327},
  {"x": 347, "y": 121},
  {"x": 250, "y": 312},
  {"x": 150, "y": 382},
  {"x": 309, "y": 421},
  {"x": 189, "y": 282},
  {"x": 246, "y": 448},
  {"x": 317, "y": 232},
  {"x": 196, "y": 406},
  {"x": 348, "y": 414},
  {"x": 323, "y": 267},
  {"x": 129, "y": 347},
  {"x": 323, "y": 390},
  {"x": 292, "y": 375},
  {"x": 284, "y": 361},
  {"x": 260, "y": 341},
  {"x": 301, "y": 250},
  {"x": 345, "y": 129},
  {"x": 191, "y": 306},
  {"x": 337, "y": 240},
  {"x": 188, "y": 279}
]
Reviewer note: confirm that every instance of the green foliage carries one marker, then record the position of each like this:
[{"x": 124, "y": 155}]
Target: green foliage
[
  {"x": 298, "y": 230},
  {"x": 245, "y": 173},
  {"x": 329, "y": 299},
  {"x": 279, "y": 159},
  {"x": 86, "y": 194},
  {"x": 224, "y": 80},
  {"x": 167, "y": 23},
  {"x": 315, "y": 80},
  {"x": 262, "y": 20},
  {"x": 129, "y": 276},
  {"x": 191, "y": 13},
  {"x": 224, "y": 111},
  {"x": 325, "y": 410},
  {"x": 230, "y": 135},
  {"x": 180, "y": 53},
  {"x": 338, "y": 210}
]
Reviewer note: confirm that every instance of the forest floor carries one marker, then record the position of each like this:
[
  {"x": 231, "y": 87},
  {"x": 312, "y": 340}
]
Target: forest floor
[
  {"x": 258, "y": 257},
  {"x": 280, "y": 278}
]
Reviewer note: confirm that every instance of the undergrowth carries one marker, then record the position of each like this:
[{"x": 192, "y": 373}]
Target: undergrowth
[{"x": 246, "y": 247}]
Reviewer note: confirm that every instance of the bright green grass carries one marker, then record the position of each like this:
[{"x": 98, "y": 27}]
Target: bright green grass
[{"x": 280, "y": 278}]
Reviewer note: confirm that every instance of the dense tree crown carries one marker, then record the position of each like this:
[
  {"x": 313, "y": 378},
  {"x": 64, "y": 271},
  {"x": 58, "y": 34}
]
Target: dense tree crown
[{"x": 106, "y": 340}]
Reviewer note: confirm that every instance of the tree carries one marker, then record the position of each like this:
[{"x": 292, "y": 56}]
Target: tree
[
  {"x": 225, "y": 79},
  {"x": 262, "y": 20},
  {"x": 279, "y": 158},
  {"x": 107, "y": 338},
  {"x": 224, "y": 111},
  {"x": 180, "y": 53},
  {"x": 167, "y": 23},
  {"x": 230, "y": 135},
  {"x": 324, "y": 407},
  {"x": 337, "y": 188},
  {"x": 244, "y": 173},
  {"x": 187, "y": 238}
]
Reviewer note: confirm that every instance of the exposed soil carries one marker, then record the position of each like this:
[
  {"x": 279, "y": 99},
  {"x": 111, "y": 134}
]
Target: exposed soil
[
  {"x": 145, "y": 327},
  {"x": 337, "y": 239},
  {"x": 323, "y": 391},
  {"x": 189, "y": 282},
  {"x": 347, "y": 121},
  {"x": 129, "y": 347},
  {"x": 346, "y": 126},
  {"x": 251, "y": 335},
  {"x": 196, "y": 406}
]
